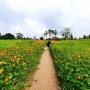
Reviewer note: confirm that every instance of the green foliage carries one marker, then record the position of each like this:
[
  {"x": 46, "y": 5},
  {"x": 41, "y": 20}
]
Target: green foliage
[
  {"x": 55, "y": 32},
  {"x": 72, "y": 63},
  {"x": 50, "y": 33},
  {"x": 8, "y": 43},
  {"x": 19, "y": 35},
  {"x": 8, "y": 36},
  {"x": 41, "y": 38},
  {"x": 17, "y": 62},
  {"x": 86, "y": 36},
  {"x": 66, "y": 34}
]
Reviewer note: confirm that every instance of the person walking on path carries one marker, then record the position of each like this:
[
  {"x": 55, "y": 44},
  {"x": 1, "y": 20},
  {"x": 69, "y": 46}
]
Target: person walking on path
[{"x": 48, "y": 43}]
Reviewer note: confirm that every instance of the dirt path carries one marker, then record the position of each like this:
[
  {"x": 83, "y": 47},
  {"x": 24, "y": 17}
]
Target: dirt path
[{"x": 45, "y": 76}]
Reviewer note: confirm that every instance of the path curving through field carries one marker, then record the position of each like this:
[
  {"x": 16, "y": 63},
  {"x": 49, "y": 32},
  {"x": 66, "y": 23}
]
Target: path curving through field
[{"x": 45, "y": 76}]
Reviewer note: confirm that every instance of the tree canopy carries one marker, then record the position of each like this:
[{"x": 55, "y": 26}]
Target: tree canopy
[
  {"x": 66, "y": 33},
  {"x": 50, "y": 33},
  {"x": 8, "y": 36},
  {"x": 19, "y": 35}
]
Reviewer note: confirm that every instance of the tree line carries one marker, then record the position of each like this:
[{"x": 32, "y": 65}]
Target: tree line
[
  {"x": 11, "y": 36},
  {"x": 48, "y": 34},
  {"x": 66, "y": 34},
  {"x": 86, "y": 36}
]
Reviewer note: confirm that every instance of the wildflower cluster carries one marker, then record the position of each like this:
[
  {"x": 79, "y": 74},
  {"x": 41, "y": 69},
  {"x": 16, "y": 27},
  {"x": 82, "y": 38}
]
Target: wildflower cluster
[
  {"x": 17, "y": 62},
  {"x": 72, "y": 63}
]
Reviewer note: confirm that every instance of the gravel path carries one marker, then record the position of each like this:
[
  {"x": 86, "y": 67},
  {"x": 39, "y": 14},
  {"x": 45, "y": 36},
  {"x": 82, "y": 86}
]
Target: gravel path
[{"x": 45, "y": 76}]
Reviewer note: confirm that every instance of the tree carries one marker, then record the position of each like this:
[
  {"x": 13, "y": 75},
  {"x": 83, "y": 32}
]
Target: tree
[
  {"x": 41, "y": 38},
  {"x": 0, "y": 36},
  {"x": 55, "y": 32},
  {"x": 19, "y": 35},
  {"x": 84, "y": 36},
  {"x": 45, "y": 34},
  {"x": 50, "y": 32},
  {"x": 8, "y": 36},
  {"x": 71, "y": 37},
  {"x": 66, "y": 34},
  {"x": 89, "y": 36}
]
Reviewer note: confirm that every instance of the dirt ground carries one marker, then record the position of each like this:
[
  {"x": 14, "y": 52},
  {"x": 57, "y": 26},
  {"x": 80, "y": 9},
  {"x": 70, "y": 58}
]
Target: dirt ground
[{"x": 45, "y": 76}]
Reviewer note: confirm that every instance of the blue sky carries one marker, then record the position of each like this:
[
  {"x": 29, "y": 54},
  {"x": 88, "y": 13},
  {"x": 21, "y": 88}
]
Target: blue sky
[{"x": 34, "y": 17}]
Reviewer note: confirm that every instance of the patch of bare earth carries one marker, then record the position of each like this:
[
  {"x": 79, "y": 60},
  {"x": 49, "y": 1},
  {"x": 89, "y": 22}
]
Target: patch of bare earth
[{"x": 45, "y": 76}]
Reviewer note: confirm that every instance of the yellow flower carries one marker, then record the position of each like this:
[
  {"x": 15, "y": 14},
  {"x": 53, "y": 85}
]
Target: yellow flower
[
  {"x": 8, "y": 78},
  {"x": 79, "y": 77},
  {"x": 70, "y": 58},
  {"x": 86, "y": 75},
  {"x": 23, "y": 63},
  {"x": 19, "y": 59},
  {"x": 2, "y": 62},
  {"x": 66, "y": 64},
  {"x": 1, "y": 53},
  {"x": 88, "y": 49},
  {"x": 73, "y": 55},
  {"x": 15, "y": 57},
  {"x": 1, "y": 70},
  {"x": 78, "y": 56},
  {"x": 75, "y": 62}
]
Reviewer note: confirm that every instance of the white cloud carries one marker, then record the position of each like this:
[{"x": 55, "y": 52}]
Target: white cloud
[
  {"x": 16, "y": 28},
  {"x": 11, "y": 28},
  {"x": 80, "y": 8},
  {"x": 3, "y": 27},
  {"x": 35, "y": 26},
  {"x": 28, "y": 27},
  {"x": 34, "y": 6},
  {"x": 33, "y": 17}
]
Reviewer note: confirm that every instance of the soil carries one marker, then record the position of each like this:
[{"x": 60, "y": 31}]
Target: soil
[{"x": 45, "y": 76}]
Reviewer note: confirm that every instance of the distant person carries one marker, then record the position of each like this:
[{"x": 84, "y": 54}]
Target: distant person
[{"x": 48, "y": 43}]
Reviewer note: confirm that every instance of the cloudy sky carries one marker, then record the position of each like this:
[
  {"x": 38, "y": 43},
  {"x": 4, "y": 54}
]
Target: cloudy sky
[{"x": 33, "y": 17}]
